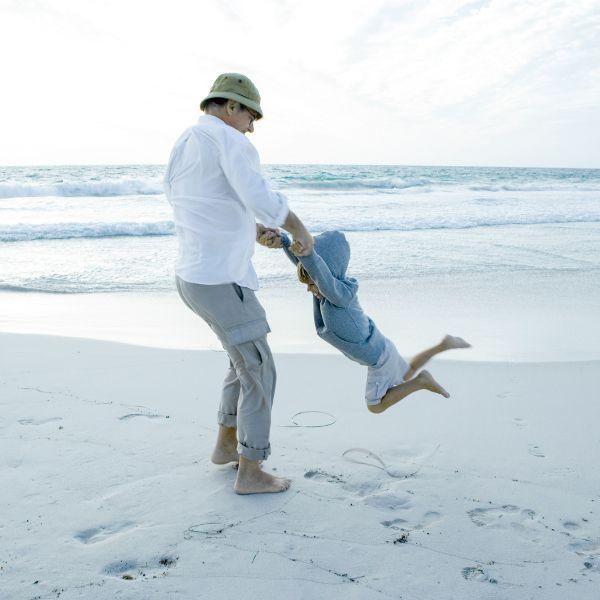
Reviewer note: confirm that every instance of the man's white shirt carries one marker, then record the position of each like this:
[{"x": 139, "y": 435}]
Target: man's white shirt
[{"x": 217, "y": 191}]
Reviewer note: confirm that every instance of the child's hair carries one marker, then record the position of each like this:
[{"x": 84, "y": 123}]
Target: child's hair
[{"x": 303, "y": 276}]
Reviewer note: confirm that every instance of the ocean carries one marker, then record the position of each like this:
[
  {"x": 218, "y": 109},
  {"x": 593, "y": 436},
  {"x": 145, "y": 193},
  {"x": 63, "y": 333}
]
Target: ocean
[{"x": 95, "y": 229}]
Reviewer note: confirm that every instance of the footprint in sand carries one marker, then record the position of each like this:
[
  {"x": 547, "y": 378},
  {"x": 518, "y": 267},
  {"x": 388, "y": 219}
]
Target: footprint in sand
[
  {"x": 362, "y": 488},
  {"x": 120, "y": 567},
  {"x": 477, "y": 574},
  {"x": 133, "y": 569},
  {"x": 388, "y": 500},
  {"x": 394, "y": 523},
  {"x": 320, "y": 475},
  {"x": 589, "y": 550},
  {"x": 103, "y": 532},
  {"x": 535, "y": 451},
  {"x": 491, "y": 516},
  {"x": 358, "y": 488},
  {"x": 39, "y": 421},
  {"x": 428, "y": 519},
  {"x": 508, "y": 516},
  {"x": 586, "y": 548}
]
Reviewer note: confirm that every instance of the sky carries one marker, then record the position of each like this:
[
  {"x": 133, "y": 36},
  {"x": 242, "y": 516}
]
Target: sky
[{"x": 430, "y": 82}]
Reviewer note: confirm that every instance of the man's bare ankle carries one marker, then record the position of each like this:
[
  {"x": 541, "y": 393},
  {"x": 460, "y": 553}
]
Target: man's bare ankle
[
  {"x": 249, "y": 466},
  {"x": 227, "y": 431}
]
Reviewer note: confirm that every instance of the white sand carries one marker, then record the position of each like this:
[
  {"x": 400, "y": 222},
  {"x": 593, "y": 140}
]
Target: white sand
[{"x": 104, "y": 473}]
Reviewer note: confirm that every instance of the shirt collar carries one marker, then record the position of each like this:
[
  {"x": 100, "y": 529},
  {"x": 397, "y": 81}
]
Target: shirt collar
[{"x": 211, "y": 118}]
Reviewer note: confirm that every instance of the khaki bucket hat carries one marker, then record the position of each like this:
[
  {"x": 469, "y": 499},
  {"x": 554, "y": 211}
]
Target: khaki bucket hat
[{"x": 235, "y": 86}]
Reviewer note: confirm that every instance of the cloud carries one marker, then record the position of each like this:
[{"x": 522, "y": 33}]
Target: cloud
[{"x": 342, "y": 81}]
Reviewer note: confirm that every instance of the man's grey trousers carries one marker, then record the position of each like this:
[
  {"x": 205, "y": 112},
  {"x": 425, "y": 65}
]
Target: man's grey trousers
[{"x": 238, "y": 319}]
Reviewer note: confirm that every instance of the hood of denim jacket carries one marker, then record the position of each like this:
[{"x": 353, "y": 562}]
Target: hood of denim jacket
[{"x": 334, "y": 249}]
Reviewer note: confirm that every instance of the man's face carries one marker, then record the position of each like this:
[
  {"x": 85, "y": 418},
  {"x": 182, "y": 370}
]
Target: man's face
[{"x": 241, "y": 118}]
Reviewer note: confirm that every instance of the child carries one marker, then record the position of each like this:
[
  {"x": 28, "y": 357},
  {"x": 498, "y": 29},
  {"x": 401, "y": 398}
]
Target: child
[{"x": 340, "y": 321}]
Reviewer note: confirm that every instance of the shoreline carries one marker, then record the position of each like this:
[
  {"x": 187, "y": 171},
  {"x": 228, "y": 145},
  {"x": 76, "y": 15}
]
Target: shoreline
[
  {"x": 201, "y": 351},
  {"x": 505, "y": 320}
]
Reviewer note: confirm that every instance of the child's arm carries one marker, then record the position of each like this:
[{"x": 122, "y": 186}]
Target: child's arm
[
  {"x": 286, "y": 243},
  {"x": 338, "y": 292}
]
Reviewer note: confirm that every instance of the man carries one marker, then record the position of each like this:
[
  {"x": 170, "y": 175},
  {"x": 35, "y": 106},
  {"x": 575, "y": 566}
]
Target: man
[{"x": 215, "y": 186}]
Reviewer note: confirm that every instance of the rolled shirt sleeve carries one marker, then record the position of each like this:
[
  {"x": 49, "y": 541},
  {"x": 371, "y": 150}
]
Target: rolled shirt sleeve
[{"x": 241, "y": 165}]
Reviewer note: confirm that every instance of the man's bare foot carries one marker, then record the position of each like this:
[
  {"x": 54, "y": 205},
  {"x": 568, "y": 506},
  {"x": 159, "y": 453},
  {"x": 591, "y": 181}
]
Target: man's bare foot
[
  {"x": 429, "y": 383},
  {"x": 251, "y": 479},
  {"x": 226, "y": 447},
  {"x": 222, "y": 456},
  {"x": 451, "y": 342}
]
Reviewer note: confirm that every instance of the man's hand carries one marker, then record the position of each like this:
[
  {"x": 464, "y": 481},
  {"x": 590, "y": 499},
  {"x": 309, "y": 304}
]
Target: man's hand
[
  {"x": 303, "y": 242},
  {"x": 268, "y": 237},
  {"x": 270, "y": 240},
  {"x": 303, "y": 245}
]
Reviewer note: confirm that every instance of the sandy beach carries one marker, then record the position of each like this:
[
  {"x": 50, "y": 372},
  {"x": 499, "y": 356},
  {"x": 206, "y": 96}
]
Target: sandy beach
[
  {"x": 434, "y": 167},
  {"x": 108, "y": 491},
  {"x": 109, "y": 388}
]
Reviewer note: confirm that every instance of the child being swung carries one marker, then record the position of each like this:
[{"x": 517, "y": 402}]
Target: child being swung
[{"x": 340, "y": 321}]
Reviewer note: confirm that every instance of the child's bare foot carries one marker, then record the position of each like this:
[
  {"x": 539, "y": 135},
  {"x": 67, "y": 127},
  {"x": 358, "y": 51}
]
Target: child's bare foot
[
  {"x": 451, "y": 342},
  {"x": 252, "y": 480},
  {"x": 429, "y": 383}
]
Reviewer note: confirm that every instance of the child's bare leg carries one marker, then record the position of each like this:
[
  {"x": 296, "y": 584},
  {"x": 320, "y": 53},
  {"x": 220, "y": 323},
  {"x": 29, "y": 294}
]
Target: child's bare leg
[
  {"x": 423, "y": 381},
  {"x": 448, "y": 343}
]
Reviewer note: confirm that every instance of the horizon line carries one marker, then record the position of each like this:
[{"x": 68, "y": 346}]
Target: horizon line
[{"x": 301, "y": 164}]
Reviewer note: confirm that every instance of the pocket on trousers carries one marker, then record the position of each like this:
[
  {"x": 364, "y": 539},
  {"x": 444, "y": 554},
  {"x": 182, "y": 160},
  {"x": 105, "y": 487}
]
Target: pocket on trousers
[
  {"x": 253, "y": 356},
  {"x": 238, "y": 291},
  {"x": 233, "y": 312}
]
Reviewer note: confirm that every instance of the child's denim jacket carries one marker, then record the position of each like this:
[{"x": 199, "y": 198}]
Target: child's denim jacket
[{"x": 339, "y": 318}]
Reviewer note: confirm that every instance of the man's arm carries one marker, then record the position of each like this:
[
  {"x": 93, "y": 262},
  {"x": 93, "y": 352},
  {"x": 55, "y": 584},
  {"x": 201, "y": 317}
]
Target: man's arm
[
  {"x": 241, "y": 165},
  {"x": 302, "y": 239}
]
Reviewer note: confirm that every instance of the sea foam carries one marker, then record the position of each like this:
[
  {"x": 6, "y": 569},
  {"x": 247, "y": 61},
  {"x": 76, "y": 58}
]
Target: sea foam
[
  {"x": 64, "y": 231},
  {"x": 106, "y": 187}
]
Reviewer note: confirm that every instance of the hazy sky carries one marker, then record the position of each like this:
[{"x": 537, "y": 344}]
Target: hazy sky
[{"x": 452, "y": 82}]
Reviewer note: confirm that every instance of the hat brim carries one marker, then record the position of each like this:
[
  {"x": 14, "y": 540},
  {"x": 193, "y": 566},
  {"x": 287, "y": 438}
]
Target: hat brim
[{"x": 255, "y": 106}]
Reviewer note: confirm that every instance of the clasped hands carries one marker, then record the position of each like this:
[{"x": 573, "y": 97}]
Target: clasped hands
[{"x": 269, "y": 237}]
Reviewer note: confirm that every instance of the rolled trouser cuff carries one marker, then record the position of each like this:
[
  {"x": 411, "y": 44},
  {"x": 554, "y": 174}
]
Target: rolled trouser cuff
[
  {"x": 253, "y": 453},
  {"x": 226, "y": 420}
]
